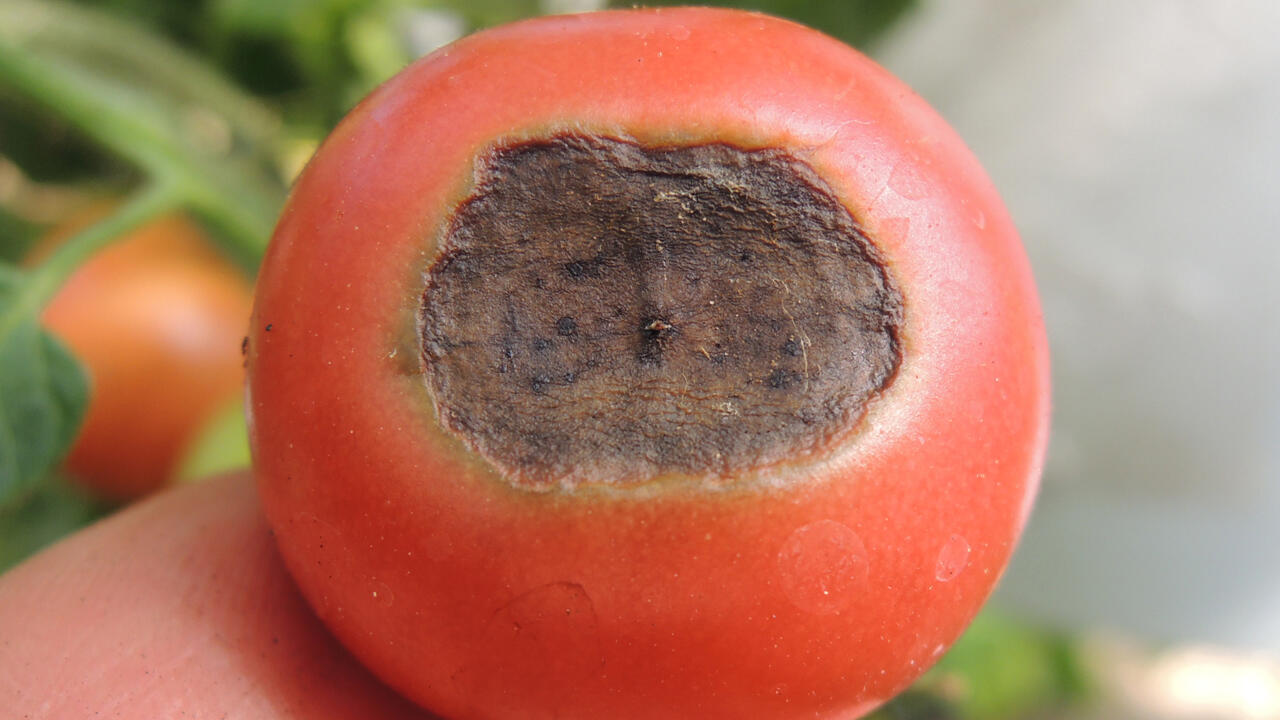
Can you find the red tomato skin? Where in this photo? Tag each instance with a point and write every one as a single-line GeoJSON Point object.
{"type": "Point", "coordinates": [157, 319]}
{"type": "Point", "coordinates": [821, 590]}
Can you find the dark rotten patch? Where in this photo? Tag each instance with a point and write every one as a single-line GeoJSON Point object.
{"type": "Point", "coordinates": [605, 312]}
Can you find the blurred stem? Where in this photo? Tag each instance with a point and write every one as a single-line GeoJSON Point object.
{"type": "Point", "coordinates": [109, 123]}
{"type": "Point", "coordinates": [245, 212]}
{"type": "Point", "coordinates": [91, 35]}
{"type": "Point", "coordinates": [43, 282]}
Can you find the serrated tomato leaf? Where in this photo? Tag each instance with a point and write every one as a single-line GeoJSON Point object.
{"type": "Point", "coordinates": [43, 394]}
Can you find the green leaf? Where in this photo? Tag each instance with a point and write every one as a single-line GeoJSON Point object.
{"type": "Point", "coordinates": [376, 48]}
{"type": "Point", "coordinates": [487, 13]}
{"type": "Point", "coordinates": [915, 705]}
{"type": "Point", "coordinates": [280, 17]}
{"type": "Point", "coordinates": [309, 33]}
{"type": "Point", "coordinates": [1004, 669]}
{"type": "Point", "coordinates": [43, 395]}
{"type": "Point", "coordinates": [43, 390]}
{"type": "Point", "coordinates": [1000, 669]}
{"type": "Point", "coordinates": [16, 236]}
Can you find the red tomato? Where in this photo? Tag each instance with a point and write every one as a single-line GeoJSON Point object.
{"type": "Point", "coordinates": [157, 319]}
{"type": "Point", "coordinates": [521, 462]}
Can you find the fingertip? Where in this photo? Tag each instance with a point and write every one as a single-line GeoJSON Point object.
{"type": "Point", "coordinates": [177, 604]}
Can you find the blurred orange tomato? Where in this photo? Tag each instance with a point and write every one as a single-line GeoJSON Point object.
{"type": "Point", "coordinates": [157, 318]}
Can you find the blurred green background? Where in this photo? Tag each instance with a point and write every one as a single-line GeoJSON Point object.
{"type": "Point", "coordinates": [223, 101]}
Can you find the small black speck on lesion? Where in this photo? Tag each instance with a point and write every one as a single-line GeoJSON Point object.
{"type": "Point", "coordinates": [566, 326]}
{"type": "Point", "coordinates": [781, 379]}
{"type": "Point", "coordinates": [584, 269]}
{"type": "Point", "coordinates": [539, 384]}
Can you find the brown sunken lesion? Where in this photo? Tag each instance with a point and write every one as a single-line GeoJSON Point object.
{"type": "Point", "coordinates": [606, 312]}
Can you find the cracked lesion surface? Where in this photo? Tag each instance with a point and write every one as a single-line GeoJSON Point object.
{"type": "Point", "coordinates": [606, 312]}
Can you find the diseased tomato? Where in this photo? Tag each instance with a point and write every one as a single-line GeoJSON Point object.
{"type": "Point", "coordinates": [646, 364]}
{"type": "Point", "coordinates": [157, 318]}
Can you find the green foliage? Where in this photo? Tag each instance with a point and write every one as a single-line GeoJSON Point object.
{"type": "Point", "coordinates": [916, 704]}
{"type": "Point", "coordinates": [308, 34]}
{"type": "Point", "coordinates": [43, 393]}
{"type": "Point", "coordinates": [43, 390]}
{"type": "Point", "coordinates": [1000, 669]}
{"type": "Point", "coordinates": [487, 13]}
{"type": "Point", "coordinates": [152, 105]}
{"type": "Point", "coordinates": [199, 141]}
{"type": "Point", "coordinates": [16, 236]}
{"type": "Point", "coordinates": [47, 147]}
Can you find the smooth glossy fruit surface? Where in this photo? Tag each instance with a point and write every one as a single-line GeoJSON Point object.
{"type": "Point", "coordinates": [603, 533]}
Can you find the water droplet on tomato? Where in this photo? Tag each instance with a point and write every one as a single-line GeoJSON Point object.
{"type": "Point", "coordinates": [908, 181]}
{"type": "Point", "coordinates": [382, 594]}
{"type": "Point", "coordinates": [823, 567]}
{"type": "Point", "coordinates": [952, 559]}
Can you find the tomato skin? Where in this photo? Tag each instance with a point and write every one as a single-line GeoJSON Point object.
{"type": "Point", "coordinates": [820, 594]}
{"type": "Point", "coordinates": [157, 318]}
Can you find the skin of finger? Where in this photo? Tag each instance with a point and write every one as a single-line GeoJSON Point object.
{"type": "Point", "coordinates": [177, 607]}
